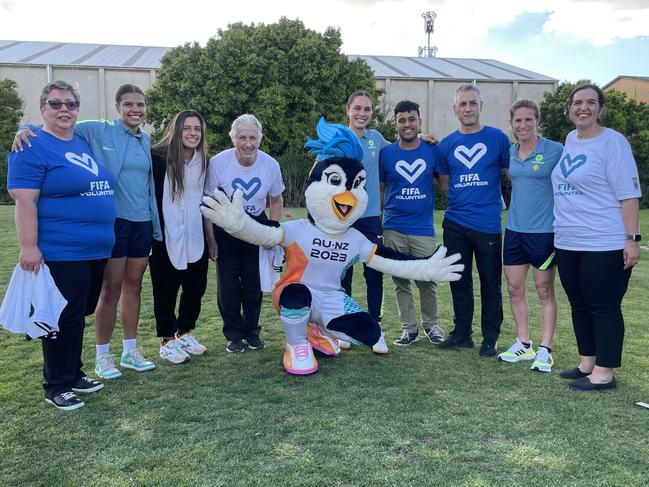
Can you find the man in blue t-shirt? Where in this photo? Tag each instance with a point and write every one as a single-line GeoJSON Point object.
{"type": "Point", "coordinates": [406, 171]}
{"type": "Point", "coordinates": [470, 165]}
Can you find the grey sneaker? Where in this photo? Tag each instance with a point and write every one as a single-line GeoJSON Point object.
{"type": "Point", "coordinates": [435, 334]}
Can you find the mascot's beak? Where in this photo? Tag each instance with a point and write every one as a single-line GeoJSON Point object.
{"type": "Point", "coordinates": [343, 204]}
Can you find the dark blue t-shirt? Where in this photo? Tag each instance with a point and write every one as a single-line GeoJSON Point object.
{"type": "Point", "coordinates": [76, 211]}
{"type": "Point", "coordinates": [474, 163]}
{"type": "Point", "coordinates": [409, 192]}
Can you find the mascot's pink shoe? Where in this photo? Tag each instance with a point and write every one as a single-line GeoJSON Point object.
{"type": "Point", "coordinates": [320, 342]}
{"type": "Point", "coordinates": [299, 359]}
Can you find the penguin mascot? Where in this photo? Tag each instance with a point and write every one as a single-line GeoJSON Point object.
{"type": "Point", "coordinates": [313, 307]}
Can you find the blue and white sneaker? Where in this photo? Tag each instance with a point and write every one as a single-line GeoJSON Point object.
{"type": "Point", "coordinates": [105, 367]}
{"type": "Point", "coordinates": [133, 359]}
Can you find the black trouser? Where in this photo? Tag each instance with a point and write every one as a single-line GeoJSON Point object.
{"type": "Point", "coordinates": [595, 283]}
{"type": "Point", "coordinates": [166, 281]}
{"type": "Point", "coordinates": [238, 286]}
{"type": "Point", "coordinates": [372, 229]}
{"type": "Point", "coordinates": [487, 248]}
{"type": "Point", "coordinates": [80, 283]}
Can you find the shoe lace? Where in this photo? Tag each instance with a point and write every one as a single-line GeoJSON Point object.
{"type": "Point", "coordinates": [137, 355]}
{"type": "Point", "coordinates": [405, 336]}
{"type": "Point", "coordinates": [301, 352]}
{"type": "Point", "coordinates": [435, 330]}
{"type": "Point", "coordinates": [106, 361]}
{"type": "Point", "coordinates": [68, 395]}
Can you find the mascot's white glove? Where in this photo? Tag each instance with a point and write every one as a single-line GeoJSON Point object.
{"type": "Point", "coordinates": [231, 217]}
{"type": "Point", "coordinates": [438, 267]}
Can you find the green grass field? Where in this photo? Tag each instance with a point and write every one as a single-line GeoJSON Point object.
{"type": "Point", "coordinates": [416, 417]}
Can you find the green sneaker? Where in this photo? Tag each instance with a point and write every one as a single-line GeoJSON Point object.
{"type": "Point", "coordinates": [133, 359]}
{"type": "Point", "coordinates": [517, 352]}
{"type": "Point", "coordinates": [105, 368]}
{"type": "Point", "coordinates": [544, 361]}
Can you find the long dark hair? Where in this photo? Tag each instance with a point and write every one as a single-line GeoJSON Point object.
{"type": "Point", "coordinates": [172, 144]}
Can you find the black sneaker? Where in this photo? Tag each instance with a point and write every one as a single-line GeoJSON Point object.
{"type": "Point", "coordinates": [488, 350]}
{"type": "Point", "coordinates": [86, 385]}
{"type": "Point", "coordinates": [255, 343]}
{"type": "Point", "coordinates": [456, 341]}
{"type": "Point", "coordinates": [235, 346]}
{"type": "Point", "coordinates": [407, 338]}
{"type": "Point", "coordinates": [435, 334]}
{"type": "Point", "coordinates": [67, 401]}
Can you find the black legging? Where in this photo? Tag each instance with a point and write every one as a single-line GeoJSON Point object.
{"type": "Point", "coordinates": [595, 283]}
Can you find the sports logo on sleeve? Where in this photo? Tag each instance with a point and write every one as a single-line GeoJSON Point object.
{"type": "Point", "coordinates": [249, 188]}
{"type": "Point", "coordinates": [569, 164]}
{"type": "Point", "coordinates": [470, 157]}
{"type": "Point", "coordinates": [410, 172]}
{"type": "Point", "coordinates": [84, 161]}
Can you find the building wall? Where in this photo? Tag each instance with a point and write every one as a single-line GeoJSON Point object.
{"type": "Point", "coordinates": [635, 89]}
{"type": "Point", "coordinates": [97, 87]}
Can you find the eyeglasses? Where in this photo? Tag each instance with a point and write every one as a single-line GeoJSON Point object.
{"type": "Point", "coordinates": [57, 104]}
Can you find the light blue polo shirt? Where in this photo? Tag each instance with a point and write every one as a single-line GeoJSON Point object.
{"type": "Point", "coordinates": [532, 200]}
{"type": "Point", "coordinates": [372, 142]}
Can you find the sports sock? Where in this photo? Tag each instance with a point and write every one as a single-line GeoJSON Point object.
{"type": "Point", "coordinates": [129, 344]}
{"type": "Point", "coordinates": [101, 349]}
{"type": "Point", "coordinates": [547, 348]}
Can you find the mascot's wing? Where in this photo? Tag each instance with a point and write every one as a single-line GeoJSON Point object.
{"type": "Point", "coordinates": [231, 217]}
{"type": "Point", "coordinates": [437, 267]}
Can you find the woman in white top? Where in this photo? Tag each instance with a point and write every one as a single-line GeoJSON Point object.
{"type": "Point", "coordinates": [180, 260]}
{"type": "Point", "coordinates": [596, 192]}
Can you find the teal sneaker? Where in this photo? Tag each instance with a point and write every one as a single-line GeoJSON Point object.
{"type": "Point", "coordinates": [133, 359]}
{"type": "Point", "coordinates": [517, 352]}
{"type": "Point", "coordinates": [544, 361]}
{"type": "Point", "coordinates": [105, 368]}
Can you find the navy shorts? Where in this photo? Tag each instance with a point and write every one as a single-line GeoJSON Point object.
{"type": "Point", "coordinates": [529, 248]}
{"type": "Point", "coordinates": [132, 239]}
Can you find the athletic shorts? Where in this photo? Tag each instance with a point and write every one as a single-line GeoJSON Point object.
{"type": "Point", "coordinates": [132, 239]}
{"type": "Point", "coordinates": [536, 249]}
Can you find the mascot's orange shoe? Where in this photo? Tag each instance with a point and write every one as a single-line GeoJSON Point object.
{"type": "Point", "coordinates": [320, 342]}
{"type": "Point", "coordinates": [299, 359]}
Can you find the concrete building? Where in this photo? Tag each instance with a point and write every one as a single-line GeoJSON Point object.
{"type": "Point", "coordinates": [98, 70]}
{"type": "Point", "coordinates": [635, 87]}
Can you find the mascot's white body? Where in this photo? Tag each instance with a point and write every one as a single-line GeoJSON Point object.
{"type": "Point", "coordinates": [314, 310]}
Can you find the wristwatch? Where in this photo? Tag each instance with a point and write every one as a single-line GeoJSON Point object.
{"type": "Point", "coordinates": [636, 237]}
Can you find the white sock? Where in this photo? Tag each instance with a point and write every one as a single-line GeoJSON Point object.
{"type": "Point", "coordinates": [129, 344]}
{"type": "Point", "coordinates": [102, 349]}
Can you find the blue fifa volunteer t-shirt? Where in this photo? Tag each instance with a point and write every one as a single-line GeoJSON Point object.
{"type": "Point", "coordinates": [76, 211]}
{"type": "Point", "coordinates": [473, 163]}
{"type": "Point", "coordinates": [409, 192]}
{"type": "Point", "coordinates": [532, 201]}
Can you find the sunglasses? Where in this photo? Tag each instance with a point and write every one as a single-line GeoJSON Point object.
{"type": "Point", "coordinates": [57, 104]}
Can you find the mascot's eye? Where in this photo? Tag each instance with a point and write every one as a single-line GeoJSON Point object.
{"type": "Point", "coordinates": [334, 179]}
{"type": "Point", "coordinates": [358, 182]}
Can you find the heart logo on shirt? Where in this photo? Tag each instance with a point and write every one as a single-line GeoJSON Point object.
{"type": "Point", "coordinates": [84, 161]}
{"type": "Point", "coordinates": [249, 188]}
{"type": "Point", "coordinates": [410, 172]}
{"type": "Point", "coordinates": [470, 157]}
{"type": "Point", "coordinates": [568, 164]}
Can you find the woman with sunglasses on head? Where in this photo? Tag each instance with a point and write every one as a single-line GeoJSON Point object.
{"type": "Point", "coordinates": [596, 234]}
{"type": "Point", "coordinates": [65, 215]}
{"type": "Point", "coordinates": [180, 260]}
{"type": "Point", "coordinates": [122, 147]}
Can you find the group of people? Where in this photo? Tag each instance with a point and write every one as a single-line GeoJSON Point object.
{"type": "Point", "coordinates": [96, 204]}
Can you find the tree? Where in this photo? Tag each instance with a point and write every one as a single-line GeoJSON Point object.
{"type": "Point", "coordinates": [285, 74]}
{"type": "Point", "coordinates": [628, 117]}
{"type": "Point", "coordinates": [11, 112]}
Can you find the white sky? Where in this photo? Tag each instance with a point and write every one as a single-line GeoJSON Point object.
{"type": "Point", "coordinates": [560, 38]}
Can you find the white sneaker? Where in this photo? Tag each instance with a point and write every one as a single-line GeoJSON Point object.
{"type": "Point", "coordinates": [173, 352]}
{"type": "Point", "coordinates": [344, 344]}
{"type": "Point", "coordinates": [190, 345]}
{"type": "Point", "coordinates": [380, 347]}
{"type": "Point", "coordinates": [517, 352]}
{"type": "Point", "coordinates": [543, 361]}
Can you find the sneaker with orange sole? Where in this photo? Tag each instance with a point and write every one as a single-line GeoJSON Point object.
{"type": "Point", "coordinates": [299, 359]}
{"type": "Point", "coordinates": [320, 342]}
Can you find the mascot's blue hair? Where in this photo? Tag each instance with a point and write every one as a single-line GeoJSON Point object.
{"type": "Point", "coordinates": [335, 140]}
